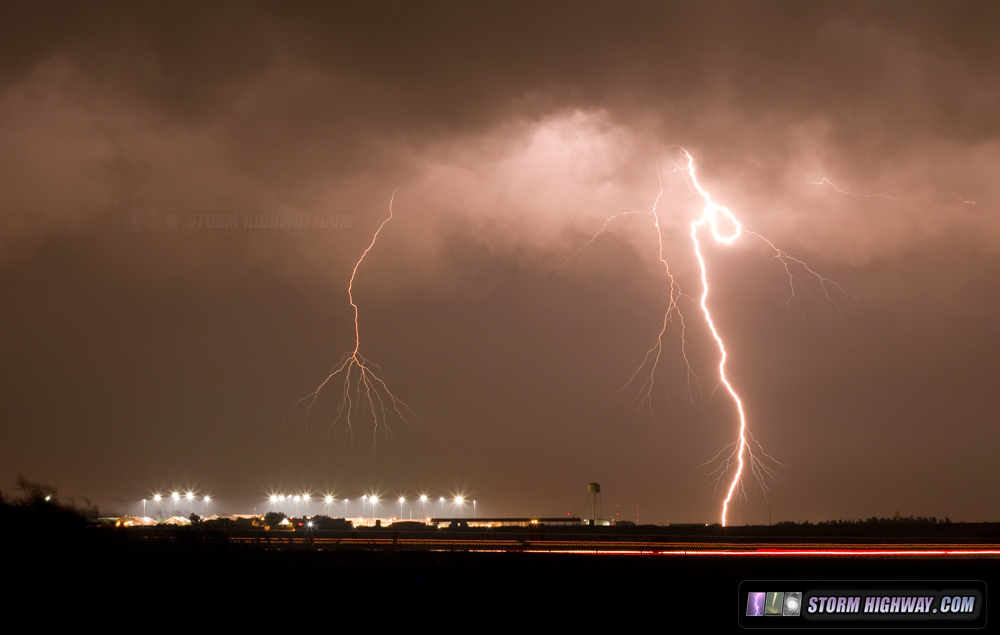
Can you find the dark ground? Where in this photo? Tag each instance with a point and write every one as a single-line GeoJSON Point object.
{"type": "Point", "coordinates": [124, 574]}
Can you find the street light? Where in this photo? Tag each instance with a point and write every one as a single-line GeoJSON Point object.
{"type": "Point", "coordinates": [401, 500]}
{"type": "Point", "coordinates": [423, 505]}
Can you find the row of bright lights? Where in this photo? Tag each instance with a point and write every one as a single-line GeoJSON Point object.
{"type": "Point", "coordinates": [275, 498]}
{"type": "Point", "coordinates": [190, 496]}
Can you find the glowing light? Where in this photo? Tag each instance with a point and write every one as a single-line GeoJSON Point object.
{"type": "Point", "coordinates": [328, 499]}
{"type": "Point", "coordinates": [365, 393]}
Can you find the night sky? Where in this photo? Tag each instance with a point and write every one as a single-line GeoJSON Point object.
{"type": "Point", "coordinates": [142, 353]}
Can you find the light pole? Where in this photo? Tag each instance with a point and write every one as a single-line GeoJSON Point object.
{"type": "Point", "coordinates": [423, 505]}
{"type": "Point", "coordinates": [459, 501]}
{"type": "Point", "coordinates": [474, 508]}
{"type": "Point", "coordinates": [401, 500]}
{"type": "Point", "coordinates": [157, 497]}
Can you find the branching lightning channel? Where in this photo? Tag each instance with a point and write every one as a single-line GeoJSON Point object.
{"type": "Point", "coordinates": [745, 453]}
{"type": "Point", "coordinates": [364, 393]}
{"type": "Point", "coordinates": [671, 316]}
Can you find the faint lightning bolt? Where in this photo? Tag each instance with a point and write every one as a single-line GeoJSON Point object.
{"type": "Point", "coordinates": [364, 390]}
{"type": "Point", "coordinates": [790, 263]}
{"type": "Point", "coordinates": [826, 181]}
{"type": "Point", "coordinates": [672, 315]}
{"type": "Point", "coordinates": [741, 453]}
{"type": "Point", "coordinates": [582, 251]}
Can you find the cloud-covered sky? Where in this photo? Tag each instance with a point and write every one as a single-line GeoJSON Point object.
{"type": "Point", "coordinates": [142, 352]}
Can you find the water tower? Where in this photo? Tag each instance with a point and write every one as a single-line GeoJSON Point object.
{"type": "Point", "coordinates": [594, 493]}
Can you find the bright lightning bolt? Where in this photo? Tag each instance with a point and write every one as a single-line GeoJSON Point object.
{"type": "Point", "coordinates": [710, 216]}
{"type": "Point", "coordinates": [364, 390]}
{"type": "Point", "coordinates": [713, 215]}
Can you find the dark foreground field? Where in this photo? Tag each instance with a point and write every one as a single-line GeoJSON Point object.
{"type": "Point", "coordinates": [118, 574]}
